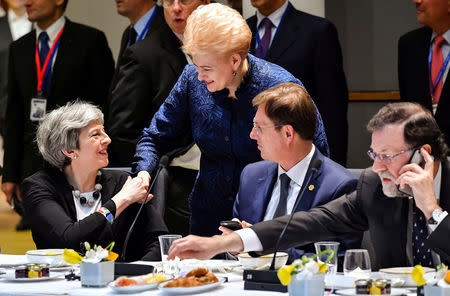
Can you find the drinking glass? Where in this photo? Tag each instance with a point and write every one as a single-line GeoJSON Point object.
{"type": "Point", "coordinates": [357, 263]}
{"type": "Point", "coordinates": [165, 241]}
{"type": "Point", "coordinates": [332, 265]}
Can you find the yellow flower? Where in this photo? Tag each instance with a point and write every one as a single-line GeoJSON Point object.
{"type": "Point", "coordinates": [112, 256]}
{"type": "Point", "coordinates": [322, 267]}
{"type": "Point", "coordinates": [284, 274]}
{"type": "Point", "coordinates": [417, 275]}
{"type": "Point", "coordinates": [71, 257]}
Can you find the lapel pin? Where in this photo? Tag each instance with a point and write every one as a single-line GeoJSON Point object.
{"type": "Point", "coordinates": [311, 187]}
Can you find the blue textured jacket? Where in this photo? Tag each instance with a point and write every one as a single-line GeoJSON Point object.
{"type": "Point", "coordinates": [220, 126]}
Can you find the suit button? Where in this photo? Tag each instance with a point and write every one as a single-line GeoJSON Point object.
{"type": "Point", "coordinates": [227, 139]}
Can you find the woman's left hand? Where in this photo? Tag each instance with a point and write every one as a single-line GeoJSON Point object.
{"type": "Point", "coordinates": [145, 176]}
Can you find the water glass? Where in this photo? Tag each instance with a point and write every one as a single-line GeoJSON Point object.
{"type": "Point", "coordinates": [165, 241]}
{"type": "Point", "coordinates": [332, 265]}
{"type": "Point", "coordinates": [357, 263]}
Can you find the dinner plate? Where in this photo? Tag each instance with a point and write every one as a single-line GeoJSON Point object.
{"type": "Point", "coordinates": [191, 290]}
{"type": "Point", "coordinates": [401, 276]}
{"type": "Point", "coordinates": [10, 275]}
{"type": "Point", "coordinates": [351, 292]}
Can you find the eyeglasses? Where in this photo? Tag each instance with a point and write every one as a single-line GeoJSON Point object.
{"type": "Point", "coordinates": [258, 129]}
{"type": "Point", "coordinates": [384, 158]}
{"type": "Point", "coordinates": [169, 3]}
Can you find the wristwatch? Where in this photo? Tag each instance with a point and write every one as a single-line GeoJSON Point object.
{"type": "Point", "coordinates": [437, 216]}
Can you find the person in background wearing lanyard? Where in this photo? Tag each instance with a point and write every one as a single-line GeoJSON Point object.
{"type": "Point", "coordinates": [308, 47]}
{"type": "Point", "coordinates": [145, 16]}
{"type": "Point", "coordinates": [57, 62]}
{"type": "Point", "coordinates": [148, 71]}
{"type": "Point", "coordinates": [13, 25]}
{"type": "Point", "coordinates": [423, 58]}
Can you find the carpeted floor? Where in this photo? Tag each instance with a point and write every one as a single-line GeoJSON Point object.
{"type": "Point", "coordinates": [12, 241]}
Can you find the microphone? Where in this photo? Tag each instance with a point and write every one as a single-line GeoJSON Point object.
{"type": "Point", "coordinates": [317, 163]}
{"type": "Point", "coordinates": [163, 162]}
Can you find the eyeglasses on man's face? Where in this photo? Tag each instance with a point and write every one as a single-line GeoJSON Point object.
{"type": "Point", "coordinates": [258, 129]}
{"type": "Point", "coordinates": [169, 3]}
{"type": "Point", "coordinates": [384, 158]}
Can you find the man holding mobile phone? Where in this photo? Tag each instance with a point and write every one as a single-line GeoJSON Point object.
{"type": "Point", "coordinates": [404, 231]}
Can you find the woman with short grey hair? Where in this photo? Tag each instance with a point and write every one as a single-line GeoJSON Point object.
{"type": "Point", "coordinates": [75, 200]}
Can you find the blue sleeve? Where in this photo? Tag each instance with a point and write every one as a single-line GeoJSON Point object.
{"type": "Point", "coordinates": [167, 127]}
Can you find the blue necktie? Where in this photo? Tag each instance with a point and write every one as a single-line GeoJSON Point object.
{"type": "Point", "coordinates": [284, 189]}
{"type": "Point", "coordinates": [421, 254]}
{"type": "Point", "coordinates": [44, 49]}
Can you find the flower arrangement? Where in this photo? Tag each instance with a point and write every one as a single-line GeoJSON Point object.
{"type": "Point", "coordinates": [95, 254]}
{"type": "Point", "coordinates": [441, 278]}
{"type": "Point", "coordinates": [305, 265]}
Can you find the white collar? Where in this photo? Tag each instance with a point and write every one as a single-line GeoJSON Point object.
{"type": "Point", "coordinates": [53, 30]}
{"type": "Point", "coordinates": [274, 17]}
{"type": "Point", "coordinates": [298, 172]}
{"type": "Point", "coordinates": [446, 36]}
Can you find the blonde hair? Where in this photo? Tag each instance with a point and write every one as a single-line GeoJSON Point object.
{"type": "Point", "coordinates": [217, 29]}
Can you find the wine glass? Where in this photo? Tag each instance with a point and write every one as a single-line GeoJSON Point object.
{"type": "Point", "coordinates": [357, 264]}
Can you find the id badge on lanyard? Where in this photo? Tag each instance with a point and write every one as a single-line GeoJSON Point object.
{"type": "Point", "coordinates": [38, 106]}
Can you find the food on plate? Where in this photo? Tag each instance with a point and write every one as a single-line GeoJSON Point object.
{"type": "Point", "coordinates": [373, 287]}
{"type": "Point", "coordinates": [32, 271]}
{"type": "Point", "coordinates": [196, 277]}
{"type": "Point", "coordinates": [150, 278]}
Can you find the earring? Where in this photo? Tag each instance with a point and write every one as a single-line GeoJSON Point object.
{"type": "Point", "coordinates": [234, 73]}
{"type": "Point", "coordinates": [75, 157]}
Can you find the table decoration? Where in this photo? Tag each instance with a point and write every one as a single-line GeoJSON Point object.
{"type": "Point", "coordinates": [438, 285]}
{"type": "Point", "coordinates": [305, 276]}
{"type": "Point", "coordinates": [97, 265]}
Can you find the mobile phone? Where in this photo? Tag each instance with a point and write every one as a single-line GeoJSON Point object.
{"type": "Point", "coordinates": [233, 225]}
{"type": "Point", "coordinates": [417, 158]}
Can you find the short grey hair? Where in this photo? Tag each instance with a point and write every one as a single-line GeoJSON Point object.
{"type": "Point", "coordinates": [60, 130]}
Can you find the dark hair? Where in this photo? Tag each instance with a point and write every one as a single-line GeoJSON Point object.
{"type": "Point", "coordinates": [64, 6]}
{"type": "Point", "coordinates": [420, 127]}
{"type": "Point", "coordinates": [289, 103]}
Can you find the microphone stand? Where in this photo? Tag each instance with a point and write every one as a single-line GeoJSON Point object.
{"type": "Point", "coordinates": [162, 163]}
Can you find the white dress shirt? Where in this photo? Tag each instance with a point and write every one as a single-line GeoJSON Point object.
{"type": "Point", "coordinates": [445, 52]}
{"type": "Point", "coordinates": [18, 25]}
{"type": "Point", "coordinates": [274, 17]}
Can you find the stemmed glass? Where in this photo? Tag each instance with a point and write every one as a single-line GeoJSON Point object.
{"type": "Point", "coordinates": [357, 263]}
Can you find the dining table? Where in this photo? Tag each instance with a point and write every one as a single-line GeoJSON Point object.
{"type": "Point", "coordinates": [233, 285]}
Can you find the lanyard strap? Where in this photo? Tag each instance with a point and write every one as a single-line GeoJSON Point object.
{"type": "Point", "coordinates": [43, 71]}
{"type": "Point", "coordinates": [258, 39]}
{"type": "Point", "coordinates": [147, 25]}
{"type": "Point", "coordinates": [441, 72]}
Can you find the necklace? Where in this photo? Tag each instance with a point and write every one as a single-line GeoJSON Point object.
{"type": "Point", "coordinates": [89, 201]}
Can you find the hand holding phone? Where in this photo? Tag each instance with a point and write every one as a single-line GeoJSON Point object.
{"type": "Point", "coordinates": [416, 158]}
{"type": "Point", "coordinates": [233, 225]}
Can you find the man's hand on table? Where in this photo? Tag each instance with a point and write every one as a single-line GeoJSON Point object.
{"type": "Point", "coordinates": [203, 248]}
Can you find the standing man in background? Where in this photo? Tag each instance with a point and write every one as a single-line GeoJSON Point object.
{"type": "Point", "coordinates": [308, 47]}
{"type": "Point", "coordinates": [423, 61]}
{"type": "Point", "coordinates": [144, 16]}
{"type": "Point", "coordinates": [13, 25]}
{"type": "Point", "coordinates": [57, 62]}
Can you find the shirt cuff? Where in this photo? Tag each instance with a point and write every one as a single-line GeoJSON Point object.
{"type": "Point", "coordinates": [432, 227]}
{"type": "Point", "coordinates": [250, 240]}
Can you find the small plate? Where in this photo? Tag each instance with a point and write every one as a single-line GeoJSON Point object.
{"type": "Point", "coordinates": [53, 257]}
{"type": "Point", "coordinates": [352, 292]}
{"type": "Point", "coordinates": [11, 277]}
{"type": "Point", "coordinates": [221, 266]}
{"type": "Point", "coordinates": [191, 290]}
{"type": "Point", "coordinates": [135, 288]}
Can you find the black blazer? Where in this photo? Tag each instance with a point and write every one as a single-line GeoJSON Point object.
{"type": "Point", "coordinates": [365, 209]}
{"type": "Point", "coordinates": [148, 71]}
{"type": "Point", "coordinates": [5, 40]}
{"type": "Point", "coordinates": [156, 23]}
{"type": "Point", "coordinates": [308, 47]}
{"type": "Point", "coordinates": [413, 75]}
{"type": "Point", "coordinates": [83, 69]}
{"type": "Point", "coordinates": [49, 204]}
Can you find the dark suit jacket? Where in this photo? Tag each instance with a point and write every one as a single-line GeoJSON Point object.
{"type": "Point", "coordinates": [413, 75]}
{"type": "Point", "coordinates": [156, 23]}
{"type": "Point", "coordinates": [83, 69]}
{"type": "Point", "coordinates": [49, 204]}
{"type": "Point", "coordinates": [5, 40]}
{"type": "Point", "coordinates": [258, 179]}
{"type": "Point", "coordinates": [148, 71]}
{"type": "Point", "coordinates": [308, 47]}
{"type": "Point", "coordinates": [367, 208]}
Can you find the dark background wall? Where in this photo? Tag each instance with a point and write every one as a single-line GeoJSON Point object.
{"type": "Point", "coordinates": [369, 31]}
